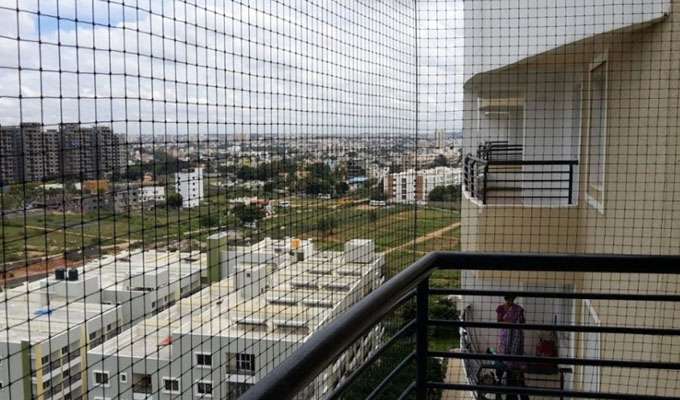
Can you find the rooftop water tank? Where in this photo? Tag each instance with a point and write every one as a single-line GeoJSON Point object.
{"type": "Point", "coordinates": [72, 274]}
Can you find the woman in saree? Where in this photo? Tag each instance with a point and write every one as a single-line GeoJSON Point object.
{"type": "Point", "coordinates": [511, 341]}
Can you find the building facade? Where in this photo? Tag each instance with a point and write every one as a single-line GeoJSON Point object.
{"type": "Point", "coordinates": [189, 184]}
{"type": "Point", "coordinates": [414, 186]}
{"type": "Point", "coordinates": [549, 119]}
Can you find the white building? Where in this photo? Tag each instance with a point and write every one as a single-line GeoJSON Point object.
{"type": "Point", "coordinates": [152, 194]}
{"type": "Point", "coordinates": [145, 282]}
{"type": "Point", "coordinates": [225, 338]}
{"type": "Point", "coordinates": [414, 186]}
{"type": "Point", "coordinates": [43, 347]}
{"type": "Point", "coordinates": [189, 184]}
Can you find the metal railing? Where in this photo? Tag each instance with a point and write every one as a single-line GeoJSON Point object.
{"type": "Point", "coordinates": [499, 150]}
{"type": "Point", "coordinates": [504, 181]}
{"type": "Point", "coordinates": [293, 375]}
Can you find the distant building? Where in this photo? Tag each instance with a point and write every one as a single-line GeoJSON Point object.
{"type": "Point", "coordinates": [29, 153]}
{"type": "Point", "coordinates": [440, 138]}
{"type": "Point", "coordinates": [414, 186]}
{"type": "Point", "coordinates": [189, 184]}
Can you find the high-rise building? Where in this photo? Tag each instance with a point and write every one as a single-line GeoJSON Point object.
{"type": "Point", "coordinates": [189, 184]}
{"type": "Point", "coordinates": [440, 139]}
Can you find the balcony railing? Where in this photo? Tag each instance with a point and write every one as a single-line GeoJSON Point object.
{"type": "Point", "coordinates": [511, 181]}
{"type": "Point", "coordinates": [292, 377]}
{"type": "Point", "coordinates": [499, 151]}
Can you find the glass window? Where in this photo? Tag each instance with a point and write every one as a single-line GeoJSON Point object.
{"type": "Point", "coordinates": [597, 134]}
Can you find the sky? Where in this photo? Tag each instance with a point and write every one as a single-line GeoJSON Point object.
{"type": "Point", "coordinates": [172, 67]}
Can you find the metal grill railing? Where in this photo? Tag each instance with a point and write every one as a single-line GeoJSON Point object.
{"type": "Point", "coordinates": [291, 376]}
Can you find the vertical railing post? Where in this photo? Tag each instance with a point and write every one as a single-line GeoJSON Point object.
{"type": "Point", "coordinates": [571, 181]}
{"type": "Point", "coordinates": [486, 179]}
{"type": "Point", "coordinates": [421, 338]}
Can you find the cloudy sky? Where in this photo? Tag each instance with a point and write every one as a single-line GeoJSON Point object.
{"type": "Point", "coordinates": [216, 66]}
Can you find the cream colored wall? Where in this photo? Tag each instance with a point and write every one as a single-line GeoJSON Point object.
{"type": "Point", "coordinates": [641, 210]}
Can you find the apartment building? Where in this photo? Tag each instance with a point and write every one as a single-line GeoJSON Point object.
{"type": "Point", "coordinates": [413, 186]}
{"type": "Point", "coordinates": [43, 346]}
{"type": "Point", "coordinates": [189, 184]}
{"type": "Point", "coordinates": [222, 340]}
{"type": "Point", "coordinates": [30, 153]}
{"type": "Point", "coordinates": [91, 152]}
{"type": "Point", "coordinates": [569, 149]}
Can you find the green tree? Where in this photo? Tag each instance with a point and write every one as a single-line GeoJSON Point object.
{"type": "Point", "coordinates": [247, 213]}
{"type": "Point", "coordinates": [445, 193]}
{"type": "Point", "coordinates": [326, 225]}
{"type": "Point", "coordinates": [341, 188]}
{"type": "Point", "coordinates": [395, 169]}
{"type": "Point", "coordinates": [440, 161]}
{"type": "Point", "coordinates": [174, 200]}
{"type": "Point", "coordinates": [208, 220]}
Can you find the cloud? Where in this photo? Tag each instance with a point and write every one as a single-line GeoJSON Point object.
{"type": "Point", "coordinates": [269, 67]}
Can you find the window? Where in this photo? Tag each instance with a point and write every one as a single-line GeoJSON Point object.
{"type": "Point", "coordinates": [123, 377]}
{"type": "Point", "coordinates": [204, 359]}
{"type": "Point", "coordinates": [204, 388]}
{"type": "Point", "coordinates": [93, 335]}
{"type": "Point", "coordinates": [171, 385]}
{"type": "Point", "coordinates": [45, 360]}
{"type": "Point", "coordinates": [241, 363]}
{"type": "Point", "coordinates": [101, 378]}
{"type": "Point", "coordinates": [597, 130]}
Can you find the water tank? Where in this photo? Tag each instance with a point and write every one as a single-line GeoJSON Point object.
{"type": "Point", "coordinates": [60, 274]}
{"type": "Point", "coordinates": [72, 274]}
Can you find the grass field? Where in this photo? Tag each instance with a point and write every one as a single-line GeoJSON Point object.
{"type": "Point", "coordinates": [393, 228]}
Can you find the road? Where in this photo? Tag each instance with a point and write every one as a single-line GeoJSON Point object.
{"type": "Point", "coordinates": [423, 238]}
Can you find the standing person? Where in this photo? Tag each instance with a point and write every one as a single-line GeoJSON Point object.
{"type": "Point", "coordinates": [511, 341]}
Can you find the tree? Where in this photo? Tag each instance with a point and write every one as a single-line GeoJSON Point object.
{"type": "Point", "coordinates": [247, 213]}
{"type": "Point", "coordinates": [445, 193]}
{"type": "Point", "coordinates": [325, 225]}
{"type": "Point", "coordinates": [373, 217]}
{"type": "Point", "coordinates": [440, 161]}
{"type": "Point", "coordinates": [316, 186]}
{"type": "Point", "coordinates": [395, 169]}
{"type": "Point", "coordinates": [174, 200]}
{"type": "Point", "coordinates": [341, 188]}
{"type": "Point", "coordinates": [208, 220]}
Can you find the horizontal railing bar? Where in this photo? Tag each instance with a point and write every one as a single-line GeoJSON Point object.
{"type": "Point", "coordinates": [560, 328]}
{"type": "Point", "coordinates": [391, 375]}
{"type": "Point", "coordinates": [290, 376]}
{"type": "Point", "coordinates": [544, 392]}
{"type": "Point", "coordinates": [559, 295]}
{"type": "Point", "coordinates": [502, 171]}
{"type": "Point", "coordinates": [558, 263]}
{"type": "Point", "coordinates": [557, 360]}
{"type": "Point", "coordinates": [408, 391]}
{"type": "Point", "coordinates": [533, 162]}
{"type": "Point", "coordinates": [527, 197]}
{"type": "Point", "coordinates": [490, 188]}
{"type": "Point", "coordinates": [531, 180]}
{"type": "Point", "coordinates": [344, 385]}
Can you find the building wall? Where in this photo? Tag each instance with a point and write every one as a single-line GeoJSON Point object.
{"type": "Point", "coordinates": [640, 210]}
{"type": "Point", "coordinates": [504, 33]}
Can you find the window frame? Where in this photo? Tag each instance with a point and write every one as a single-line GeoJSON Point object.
{"type": "Point", "coordinates": [203, 382]}
{"type": "Point", "coordinates": [173, 379]}
{"type": "Point", "coordinates": [108, 378]}
{"type": "Point", "coordinates": [201, 353]}
{"type": "Point", "coordinates": [601, 61]}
